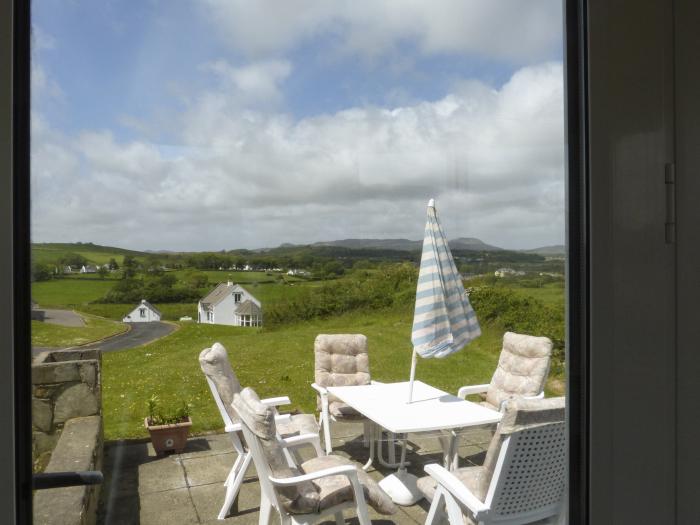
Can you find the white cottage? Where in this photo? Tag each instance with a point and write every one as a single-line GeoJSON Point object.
{"type": "Point", "coordinates": [230, 304]}
{"type": "Point", "coordinates": [145, 312]}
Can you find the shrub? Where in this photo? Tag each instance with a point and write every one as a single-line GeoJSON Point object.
{"type": "Point", "coordinates": [393, 284]}
{"type": "Point", "coordinates": [520, 314]}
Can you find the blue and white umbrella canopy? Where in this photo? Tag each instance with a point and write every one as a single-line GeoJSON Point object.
{"type": "Point", "coordinates": [444, 321]}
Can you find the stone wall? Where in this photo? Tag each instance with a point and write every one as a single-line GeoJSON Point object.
{"type": "Point", "coordinates": [67, 423]}
{"type": "Point", "coordinates": [80, 448]}
{"type": "Point", "coordinates": [65, 384]}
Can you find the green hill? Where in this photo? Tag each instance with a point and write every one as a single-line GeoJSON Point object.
{"type": "Point", "coordinates": [50, 253]}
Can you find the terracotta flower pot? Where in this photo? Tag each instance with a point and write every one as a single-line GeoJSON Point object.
{"type": "Point", "coordinates": [169, 437]}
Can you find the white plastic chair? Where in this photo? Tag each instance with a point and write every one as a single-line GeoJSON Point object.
{"type": "Point", "coordinates": [523, 478]}
{"type": "Point", "coordinates": [264, 443]}
{"type": "Point", "coordinates": [522, 371]}
{"type": "Point", "coordinates": [340, 360]}
{"type": "Point", "coordinates": [233, 428]}
{"type": "Point", "coordinates": [237, 474]}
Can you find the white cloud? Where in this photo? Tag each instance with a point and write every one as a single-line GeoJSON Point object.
{"type": "Point", "coordinates": [257, 84]}
{"type": "Point", "coordinates": [493, 159]}
{"type": "Point", "coordinates": [511, 30]}
{"type": "Point", "coordinates": [41, 40]}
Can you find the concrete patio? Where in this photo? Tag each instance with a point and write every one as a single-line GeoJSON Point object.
{"type": "Point", "coordinates": [187, 488]}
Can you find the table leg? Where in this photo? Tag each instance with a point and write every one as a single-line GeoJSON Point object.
{"type": "Point", "coordinates": [391, 463]}
{"type": "Point", "coordinates": [370, 428]}
{"type": "Point", "coordinates": [450, 445]}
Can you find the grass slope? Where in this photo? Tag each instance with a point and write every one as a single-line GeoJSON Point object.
{"type": "Point", "coordinates": [56, 336]}
{"type": "Point", "coordinates": [549, 295]}
{"type": "Point", "coordinates": [69, 292]}
{"type": "Point", "coordinates": [45, 253]}
{"type": "Point", "coordinates": [79, 293]}
{"type": "Point", "coordinates": [274, 362]}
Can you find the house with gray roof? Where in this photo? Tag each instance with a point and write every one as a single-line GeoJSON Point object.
{"type": "Point", "coordinates": [230, 304]}
{"type": "Point", "coordinates": [144, 312]}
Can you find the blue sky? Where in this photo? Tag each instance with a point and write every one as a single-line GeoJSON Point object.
{"type": "Point", "coordinates": [182, 106]}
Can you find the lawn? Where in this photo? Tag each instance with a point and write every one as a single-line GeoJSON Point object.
{"type": "Point", "coordinates": [56, 336]}
{"type": "Point", "coordinates": [69, 292]}
{"type": "Point", "coordinates": [51, 293]}
{"type": "Point", "coordinates": [552, 294]}
{"type": "Point", "coordinates": [80, 291]}
{"type": "Point", "coordinates": [49, 254]}
{"type": "Point", "coordinates": [274, 362]}
{"type": "Point", "coordinates": [220, 276]}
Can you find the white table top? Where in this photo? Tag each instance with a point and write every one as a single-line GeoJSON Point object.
{"type": "Point", "coordinates": [431, 409]}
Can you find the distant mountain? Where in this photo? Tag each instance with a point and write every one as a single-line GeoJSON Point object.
{"type": "Point", "coordinates": [556, 249]}
{"type": "Point", "coordinates": [471, 243]}
{"type": "Point", "coordinates": [463, 243]}
{"type": "Point", "coordinates": [380, 244]}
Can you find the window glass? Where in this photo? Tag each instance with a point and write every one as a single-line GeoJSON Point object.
{"type": "Point", "coordinates": [314, 154]}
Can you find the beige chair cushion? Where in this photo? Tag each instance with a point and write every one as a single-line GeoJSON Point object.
{"type": "Point", "coordinates": [473, 477]}
{"type": "Point", "coordinates": [302, 498]}
{"type": "Point", "coordinates": [216, 366]}
{"type": "Point", "coordinates": [341, 360]}
{"type": "Point", "coordinates": [518, 415]}
{"type": "Point", "coordinates": [337, 489]}
{"type": "Point", "coordinates": [297, 424]}
{"type": "Point", "coordinates": [340, 410]}
{"type": "Point", "coordinates": [522, 368]}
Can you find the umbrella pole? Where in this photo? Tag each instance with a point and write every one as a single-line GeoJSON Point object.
{"type": "Point", "coordinates": [413, 376]}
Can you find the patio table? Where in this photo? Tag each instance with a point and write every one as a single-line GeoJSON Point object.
{"type": "Point", "coordinates": [387, 406]}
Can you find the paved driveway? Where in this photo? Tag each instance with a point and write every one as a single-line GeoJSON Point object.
{"type": "Point", "coordinates": [59, 317]}
{"type": "Point", "coordinates": [140, 334]}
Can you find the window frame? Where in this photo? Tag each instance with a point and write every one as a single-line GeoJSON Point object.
{"type": "Point", "coordinates": [15, 442]}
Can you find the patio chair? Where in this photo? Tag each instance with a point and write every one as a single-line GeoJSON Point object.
{"type": "Point", "coordinates": [224, 384]}
{"type": "Point", "coordinates": [522, 371]}
{"type": "Point", "coordinates": [340, 360]}
{"type": "Point", "coordinates": [306, 492]}
{"type": "Point", "coordinates": [523, 478]}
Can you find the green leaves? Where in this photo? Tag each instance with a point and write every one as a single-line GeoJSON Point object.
{"type": "Point", "coordinates": [157, 416]}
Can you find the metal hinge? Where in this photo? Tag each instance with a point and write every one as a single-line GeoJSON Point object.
{"type": "Point", "coordinates": [670, 180]}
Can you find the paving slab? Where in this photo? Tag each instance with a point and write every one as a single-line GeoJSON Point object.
{"type": "Point", "coordinates": [144, 489]}
{"type": "Point", "coordinates": [120, 510]}
{"type": "Point", "coordinates": [160, 476]}
{"type": "Point", "coordinates": [171, 507]}
{"type": "Point", "coordinates": [208, 469]}
{"type": "Point", "coordinates": [207, 446]}
{"type": "Point", "coordinates": [209, 498]}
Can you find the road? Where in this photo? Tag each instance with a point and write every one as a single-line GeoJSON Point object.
{"type": "Point", "coordinates": [59, 317]}
{"type": "Point", "coordinates": [140, 334]}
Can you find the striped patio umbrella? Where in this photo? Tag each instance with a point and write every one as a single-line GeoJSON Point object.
{"type": "Point", "coordinates": [444, 321]}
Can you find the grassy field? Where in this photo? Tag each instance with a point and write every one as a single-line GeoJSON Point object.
{"type": "Point", "coordinates": [49, 253]}
{"type": "Point", "coordinates": [56, 336]}
{"type": "Point", "coordinates": [69, 292]}
{"type": "Point", "coordinates": [551, 294]}
{"type": "Point", "coordinates": [79, 293]}
{"type": "Point", "coordinates": [220, 276]}
{"type": "Point", "coordinates": [274, 362]}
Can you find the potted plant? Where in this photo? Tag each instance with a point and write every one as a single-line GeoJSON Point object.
{"type": "Point", "coordinates": [168, 430]}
